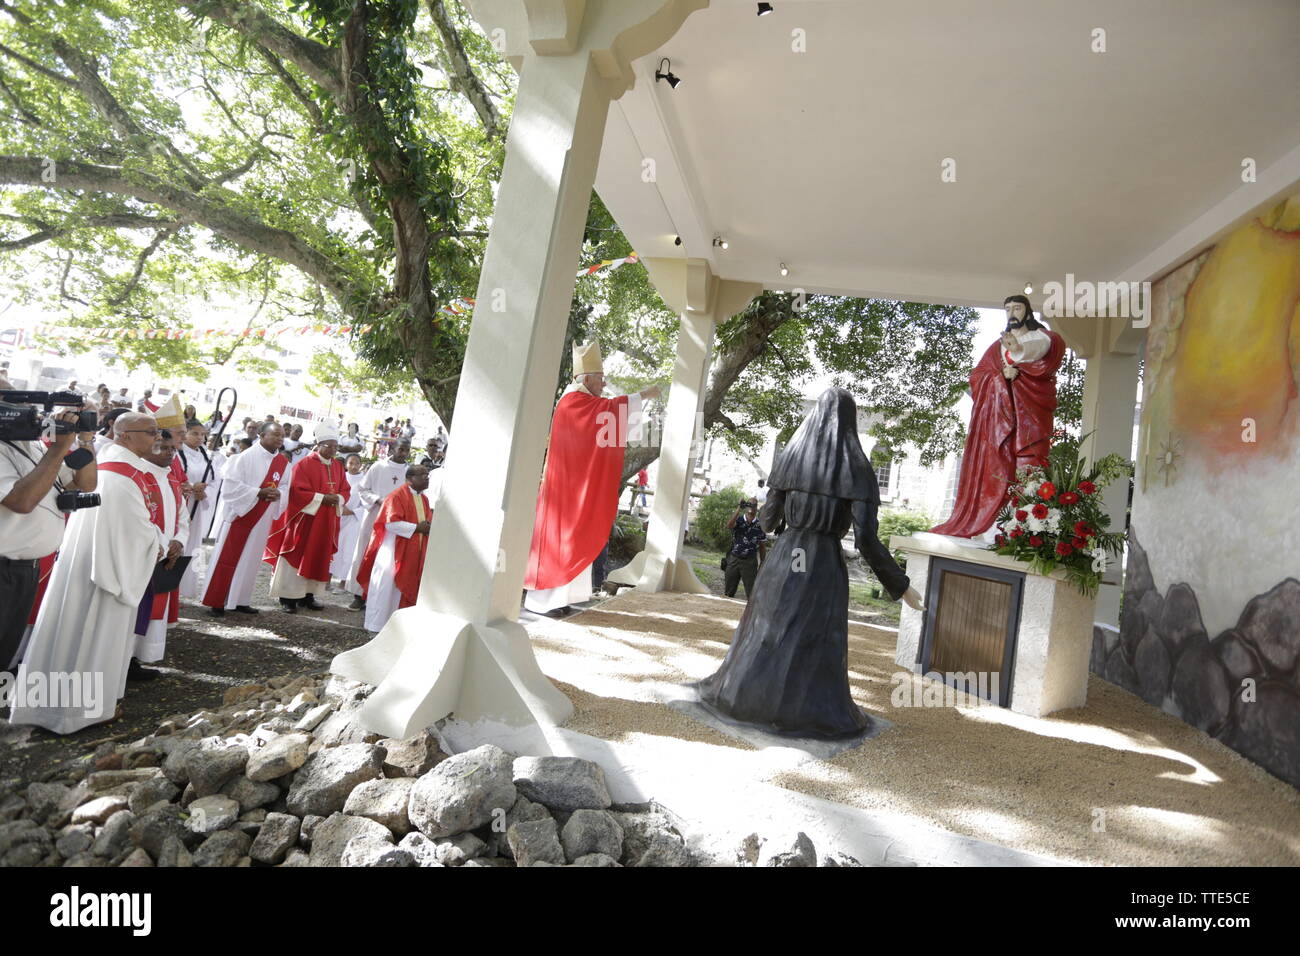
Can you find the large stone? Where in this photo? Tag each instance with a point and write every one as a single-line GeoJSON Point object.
{"type": "Point", "coordinates": [535, 841]}
{"type": "Point", "coordinates": [210, 768]}
{"type": "Point", "coordinates": [311, 720]}
{"type": "Point", "coordinates": [423, 850]}
{"type": "Point", "coordinates": [119, 781]}
{"type": "Point", "coordinates": [1180, 620]}
{"type": "Point", "coordinates": [411, 757]}
{"type": "Point", "coordinates": [51, 804]}
{"type": "Point", "coordinates": [595, 859]}
{"type": "Point", "coordinates": [1120, 672]}
{"type": "Point", "coordinates": [384, 801]}
{"type": "Point", "coordinates": [664, 850]}
{"type": "Point", "coordinates": [331, 837]}
{"type": "Point", "coordinates": [174, 767]}
{"type": "Point", "coordinates": [1271, 622]}
{"type": "Point", "coordinates": [24, 843]}
{"type": "Point", "coordinates": [174, 854]}
{"type": "Point", "coordinates": [213, 813]}
{"type": "Point", "coordinates": [75, 840]}
{"type": "Point", "coordinates": [591, 831]}
{"type": "Point", "coordinates": [372, 851]}
{"type": "Point", "coordinates": [99, 809]}
{"type": "Point", "coordinates": [277, 836]}
{"type": "Point", "coordinates": [640, 829]}
{"type": "Point", "coordinates": [116, 835]}
{"type": "Point", "coordinates": [323, 783]}
{"type": "Point", "coordinates": [562, 783]}
{"type": "Point", "coordinates": [1239, 658]}
{"type": "Point", "coordinates": [282, 755]}
{"type": "Point", "coordinates": [462, 792]}
{"type": "Point", "coordinates": [1154, 671]}
{"type": "Point", "coordinates": [249, 794]}
{"type": "Point", "coordinates": [1268, 730]}
{"type": "Point", "coordinates": [344, 727]}
{"type": "Point", "coordinates": [155, 826]}
{"type": "Point", "coordinates": [458, 850]}
{"type": "Point", "coordinates": [1200, 691]}
{"type": "Point", "coordinates": [151, 792]}
{"type": "Point", "coordinates": [137, 858]}
{"type": "Point", "coordinates": [223, 848]}
{"type": "Point", "coordinates": [801, 853]}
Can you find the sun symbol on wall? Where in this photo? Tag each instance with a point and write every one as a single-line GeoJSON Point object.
{"type": "Point", "coordinates": [1167, 461]}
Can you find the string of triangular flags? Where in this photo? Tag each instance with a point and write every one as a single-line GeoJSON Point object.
{"type": "Point", "coordinates": [458, 306]}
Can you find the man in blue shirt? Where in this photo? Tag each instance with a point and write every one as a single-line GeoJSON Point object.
{"type": "Point", "coordinates": [748, 546]}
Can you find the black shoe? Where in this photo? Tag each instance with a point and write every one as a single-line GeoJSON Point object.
{"type": "Point", "coordinates": [138, 672]}
{"type": "Point", "coordinates": [290, 605]}
{"type": "Point", "coordinates": [245, 609]}
{"type": "Point", "coordinates": [217, 611]}
{"type": "Point", "coordinates": [311, 604]}
{"type": "Point", "coordinates": [358, 604]}
{"type": "Point", "coordinates": [562, 612]}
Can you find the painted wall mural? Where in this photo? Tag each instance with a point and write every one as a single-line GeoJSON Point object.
{"type": "Point", "coordinates": [1211, 624]}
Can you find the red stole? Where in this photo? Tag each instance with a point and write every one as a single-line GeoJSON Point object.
{"type": "Point", "coordinates": [408, 553]}
{"type": "Point", "coordinates": [308, 542]}
{"type": "Point", "coordinates": [1010, 428]}
{"type": "Point", "coordinates": [579, 495]}
{"type": "Point", "coordinates": [167, 604]}
{"type": "Point", "coordinates": [223, 572]}
{"type": "Point", "coordinates": [147, 484]}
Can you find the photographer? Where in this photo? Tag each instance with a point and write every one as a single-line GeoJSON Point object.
{"type": "Point", "coordinates": [31, 524]}
{"type": "Point", "coordinates": [749, 546]}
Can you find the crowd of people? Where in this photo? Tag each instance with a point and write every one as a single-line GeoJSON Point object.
{"type": "Point", "coordinates": [90, 586]}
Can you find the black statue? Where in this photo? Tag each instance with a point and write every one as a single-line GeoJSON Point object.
{"type": "Point", "coordinates": [787, 668]}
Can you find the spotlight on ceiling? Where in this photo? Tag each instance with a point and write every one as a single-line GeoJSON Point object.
{"type": "Point", "coordinates": [677, 241]}
{"type": "Point", "coordinates": [720, 242]}
{"type": "Point", "coordinates": [660, 74]}
{"type": "Point", "coordinates": [764, 9]}
{"type": "Point", "coordinates": [785, 269]}
{"type": "Point", "coordinates": [1029, 288]}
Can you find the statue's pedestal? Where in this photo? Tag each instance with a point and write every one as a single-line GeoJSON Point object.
{"type": "Point", "coordinates": [1048, 623]}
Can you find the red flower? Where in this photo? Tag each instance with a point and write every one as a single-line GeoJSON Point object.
{"type": "Point", "coordinates": [1082, 529]}
{"type": "Point", "coordinates": [1000, 540]}
{"type": "Point", "coordinates": [1068, 498]}
{"type": "Point", "coordinates": [1087, 487]}
{"type": "Point", "coordinates": [1017, 532]}
{"type": "Point", "coordinates": [1078, 542]}
{"type": "Point", "coordinates": [1040, 511]}
{"type": "Point", "coordinates": [1046, 490]}
{"type": "Point", "coordinates": [1035, 541]}
{"type": "Point", "coordinates": [1064, 548]}
{"type": "Point", "coordinates": [1022, 515]}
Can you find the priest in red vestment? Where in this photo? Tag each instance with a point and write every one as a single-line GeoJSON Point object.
{"type": "Point", "coordinates": [579, 495]}
{"type": "Point", "coordinates": [306, 535]}
{"type": "Point", "coordinates": [390, 571]}
{"type": "Point", "coordinates": [1013, 389]}
{"type": "Point", "coordinates": [158, 611]}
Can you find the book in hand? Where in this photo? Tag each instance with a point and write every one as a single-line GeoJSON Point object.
{"type": "Point", "coordinates": [168, 579]}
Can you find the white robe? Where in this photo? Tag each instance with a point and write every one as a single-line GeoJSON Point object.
{"type": "Point", "coordinates": [580, 588]}
{"type": "Point", "coordinates": [86, 619]}
{"type": "Point", "coordinates": [196, 468]}
{"type": "Point", "coordinates": [151, 646]}
{"type": "Point", "coordinates": [384, 595]}
{"type": "Point", "coordinates": [379, 482]}
{"type": "Point", "coordinates": [349, 528]}
{"type": "Point", "coordinates": [239, 486]}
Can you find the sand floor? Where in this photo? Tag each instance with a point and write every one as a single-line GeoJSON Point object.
{"type": "Point", "coordinates": [1116, 782]}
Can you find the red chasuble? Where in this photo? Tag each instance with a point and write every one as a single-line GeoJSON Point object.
{"type": "Point", "coordinates": [408, 553]}
{"type": "Point", "coordinates": [579, 497]}
{"type": "Point", "coordinates": [308, 542]}
{"type": "Point", "coordinates": [1010, 428]}
{"type": "Point", "coordinates": [223, 572]}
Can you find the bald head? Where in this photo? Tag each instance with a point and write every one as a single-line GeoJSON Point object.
{"type": "Point", "coordinates": [135, 432]}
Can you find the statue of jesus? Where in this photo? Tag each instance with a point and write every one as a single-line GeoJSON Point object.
{"type": "Point", "coordinates": [1013, 388]}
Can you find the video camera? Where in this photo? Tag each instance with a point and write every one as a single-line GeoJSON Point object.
{"type": "Point", "coordinates": [19, 421]}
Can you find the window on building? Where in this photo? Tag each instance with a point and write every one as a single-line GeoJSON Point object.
{"type": "Point", "coordinates": [950, 490]}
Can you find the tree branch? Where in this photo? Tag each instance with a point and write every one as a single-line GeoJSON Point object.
{"type": "Point", "coordinates": [46, 231]}
{"type": "Point", "coordinates": [159, 237]}
{"type": "Point", "coordinates": [460, 73]}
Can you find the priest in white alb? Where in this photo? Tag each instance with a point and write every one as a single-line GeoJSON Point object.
{"type": "Point", "coordinates": [252, 490]}
{"type": "Point", "coordinates": [202, 478]}
{"type": "Point", "coordinates": [390, 572]}
{"type": "Point", "coordinates": [383, 478]}
{"type": "Point", "coordinates": [75, 668]}
{"type": "Point", "coordinates": [350, 524]}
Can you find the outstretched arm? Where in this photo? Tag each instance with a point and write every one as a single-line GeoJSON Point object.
{"type": "Point", "coordinates": [876, 554]}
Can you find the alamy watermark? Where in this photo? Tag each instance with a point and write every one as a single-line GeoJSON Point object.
{"type": "Point", "coordinates": [1087, 299]}
{"type": "Point", "coordinates": [55, 690]}
{"type": "Point", "coordinates": [950, 689]}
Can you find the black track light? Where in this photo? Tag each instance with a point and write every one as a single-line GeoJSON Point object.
{"type": "Point", "coordinates": [764, 9]}
{"type": "Point", "coordinates": [677, 241]}
{"type": "Point", "coordinates": [660, 74]}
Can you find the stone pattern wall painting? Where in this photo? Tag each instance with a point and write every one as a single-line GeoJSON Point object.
{"type": "Point", "coordinates": [1212, 589]}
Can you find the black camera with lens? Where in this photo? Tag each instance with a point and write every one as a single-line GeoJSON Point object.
{"type": "Point", "coordinates": [68, 501]}
{"type": "Point", "coordinates": [20, 421]}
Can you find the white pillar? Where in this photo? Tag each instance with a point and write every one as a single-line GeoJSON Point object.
{"type": "Point", "coordinates": [460, 648]}
{"type": "Point", "coordinates": [703, 301]}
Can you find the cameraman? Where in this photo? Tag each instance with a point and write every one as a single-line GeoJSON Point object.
{"type": "Point", "coordinates": [31, 524]}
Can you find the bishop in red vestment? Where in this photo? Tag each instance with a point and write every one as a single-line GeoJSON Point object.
{"type": "Point", "coordinates": [1014, 393]}
{"type": "Point", "coordinates": [579, 495]}
{"type": "Point", "coordinates": [306, 535]}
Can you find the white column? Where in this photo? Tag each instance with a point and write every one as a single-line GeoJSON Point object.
{"type": "Point", "coordinates": [460, 648]}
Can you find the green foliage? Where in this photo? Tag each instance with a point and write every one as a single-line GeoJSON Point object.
{"type": "Point", "coordinates": [898, 522]}
{"type": "Point", "coordinates": [627, 539]}
{"type": "Point", "coordinates": [711, 518]}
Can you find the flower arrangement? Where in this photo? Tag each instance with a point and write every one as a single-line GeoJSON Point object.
{"type": "Point", "coordinates": [1053, 518]}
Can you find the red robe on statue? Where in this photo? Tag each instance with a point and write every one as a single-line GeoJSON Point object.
{"type": "Point", "coordinates": [579, 496]}
{"type": "Point", "coordinates": [308, 541]}
{"type": "Point", "coordinates": [1010, 428]}
{"type": "Point", "coordinates": [408, 553]}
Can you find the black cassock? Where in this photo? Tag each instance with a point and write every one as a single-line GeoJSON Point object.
{"type": "Point", "coordinates": [787, 667]}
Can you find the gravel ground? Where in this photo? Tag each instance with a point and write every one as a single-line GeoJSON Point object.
{"type": "Point", "coordinates": [205, 655]}
{"type": "Point", "coordinates": [1116, 782]}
